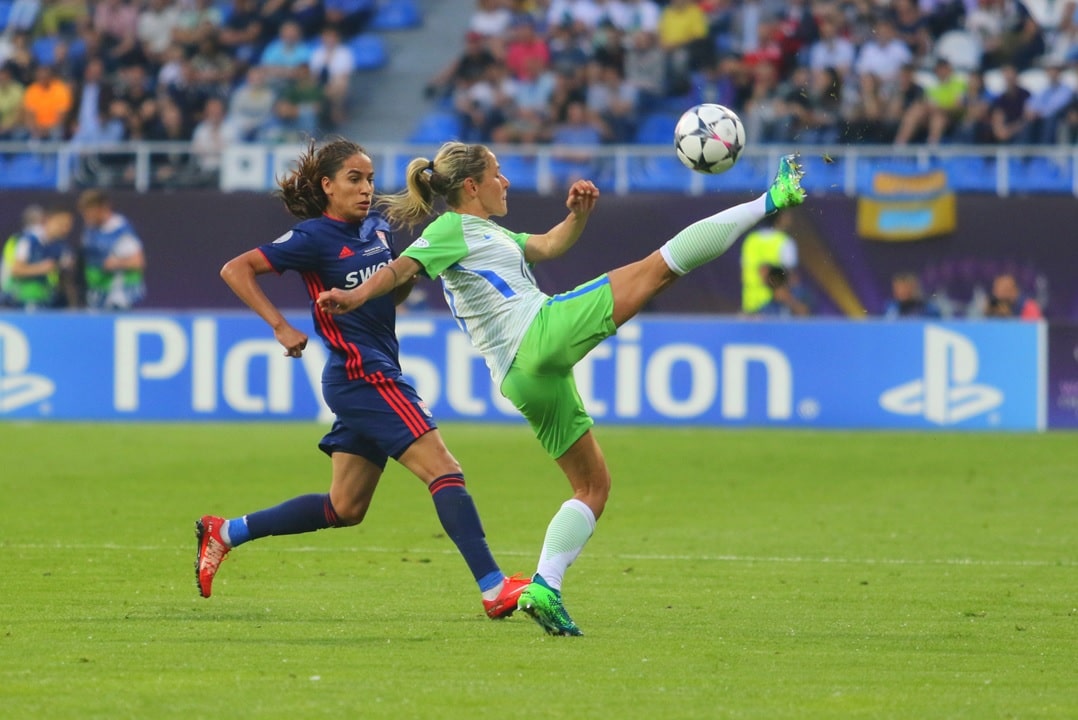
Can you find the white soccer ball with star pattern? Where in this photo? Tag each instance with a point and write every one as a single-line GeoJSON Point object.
{"type": "Point", "coordinates": [708, 138]}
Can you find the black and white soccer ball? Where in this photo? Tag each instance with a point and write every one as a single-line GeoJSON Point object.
{"type": "Point", "coordinates": [708, 138]}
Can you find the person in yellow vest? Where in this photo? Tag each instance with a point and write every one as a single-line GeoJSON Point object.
{"type": "Point", "coordinates": [767, 247]}
{"type": "Point", "coordinates": [32, 216]}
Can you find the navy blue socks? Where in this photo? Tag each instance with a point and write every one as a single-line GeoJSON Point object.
{"type": "Point", "coordinates": [457, 513]}
{"type": "Point", "coordinates": [305, 513]}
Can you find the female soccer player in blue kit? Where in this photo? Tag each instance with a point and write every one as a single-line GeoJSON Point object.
{"type": "Point", "coordinates": [341, 243]}
{"type": "Point", "coordinates": [531, 341]}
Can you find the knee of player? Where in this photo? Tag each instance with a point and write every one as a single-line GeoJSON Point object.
{"type": "Point", "coordinates": [350, 512]}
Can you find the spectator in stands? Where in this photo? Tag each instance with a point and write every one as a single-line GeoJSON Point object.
{"type": "Point", "coordinates": [210, 139]}
{"type": "Point", "coordinates": [333, 63]}
{"type": "Point", "coordinates": [683, 36]}
{"type": "Point", "coordinates": [641, 16]}
{"type": "Point", "coordinates": [116, 21]}
{"type": "Point", "coordinates": [95, 96]}
{"type": "Point", "coordinates": [569, 49]}
{"type": "Point", "coordinates": [885, 54]}
{"type": "Point", "coordinates": [20, 59]}
{"type": "Point", "coordinates": [467, 67]}
{"type": "Point", "coordinates": [214, 69]}
{"type": "Point", "coordinates": [645, 68]}
{"type": "Point", "coordinates": [154, 29]}
{"type": "Point", "coordinates": [299, 112]}
{"type": "Point", "coordinates": [789, 296]}
{"type": "Point", "coordinates": [974, 124]}
{"type": "Point", "coordinates": [613, 100]}
{"type": "Point", "coordinates": [1008, 301]}
{"type": "Point", "coordinates": [523, 46]}
{"type": "Point", "coordinates": [46, 103]}
{"type": "Point", "coordinates": [939, 111]}
{"type": "Point", "coordinates": [284, 56]}
{"type": "Point", "coordinates": [811, 109]}
{"type": "Point", "coordinates": [483, 105]}
{"type": "Point", "coordinates": [831, 49]}
{"type": "Point", "coordinates": [250, 108]}
{"type": "Point", "coordinates": [171, 169]}
{"type": "Point", "coordinates": [1008, 117]}
{"type": "Point", "coordinates": [185, 90]}
{"type": "Point", "coordinates": [23, 15]}
{"type": "Point", "coordinates": [11, 115]}
{"type": "Point", "coordinates": [1010, 35]}
{"type": "Point", "coordinates": [761, 110]}
{"type": "Point", "coordinates": [568, 89]}
{"type": "Point", "coordinates": [1047, 108]}
{"type": "Point", "coordinates": [199, 20]}
{"type": "Point", "coordinates": [866, 121]}
{"type": "Point", "coordinates": [1066, 38]}
{"type": "Point", "coordinates": [907, 299]}
{"type": "Point", "coordinates": [63, 17]}
{"type": "Point", "coordinates": [112, 254]}
{"type": "Point", "coordinates": [1068, 132]}
{"type": "Point", "coordinates": [241, 32]}
{"type": "Point", "coordinates": [350, 17]}
{"type": "Point", "coordinates": [39, 263]}
{"type": "Point", "coordinates": [901, 94]}
{"type": "Point", "coordinates": [491, 19]}
{"type": "Point", "coordinates": [912, 28]}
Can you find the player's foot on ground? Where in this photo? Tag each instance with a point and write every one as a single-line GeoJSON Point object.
{"type": "Point", "coordinates": [786, 190]}
{"type": "Point", "coordinates": [545, 607]}
{"type": "Point", "coordinates": [211, 551]}
{"type": "Point", "coordinates": [506, 603]}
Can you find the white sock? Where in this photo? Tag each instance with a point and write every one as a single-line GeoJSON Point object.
{"type": "Point", "coordinates": [494, 592]}
{"type": "Point", "coordinates": [566, 535]}
{"type": "Point", "coordinates": [706, 239]}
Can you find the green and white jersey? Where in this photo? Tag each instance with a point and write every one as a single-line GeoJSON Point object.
{"type": "Point", "coordinates": [487, 282]}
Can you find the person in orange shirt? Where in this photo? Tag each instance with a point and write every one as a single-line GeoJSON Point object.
{"type": "Point", "coordinates": [45, 105]}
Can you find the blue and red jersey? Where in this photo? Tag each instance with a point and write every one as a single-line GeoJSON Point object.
{"type": "Point", "coordinates": [330, 253]}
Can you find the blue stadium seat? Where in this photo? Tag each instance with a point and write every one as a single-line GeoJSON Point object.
{"type": "Point", "coordinates": [520, 170]}
{"type": "Point", "coordinates": [658, 174]}
{"type": "Point", "coordinates": [1040, 175]}
{"type": "Point", "coordinates": [397, 15]}
{"type": "Point", "coordinates": [29, 171]}
{"type": "Point", "coordinates": [369, 51]}
{"type": "Point", "coordinates": [657, 129]}
{"type": "Point", "coordinates": [436, 128]}
{"type": "Point", "coordinates": [5, 11]}
{"type": "Point", "coordinates": [971, 174]}
{"type": "Point", "coordinates": [823, 176]}
{"type": "Point", "coordinates": [44, 49]}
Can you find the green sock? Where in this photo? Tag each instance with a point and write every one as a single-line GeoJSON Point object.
{"type": "Point", "coordinates": [566, 535]}
{"type": "Point", "coordinates": [706, 239]}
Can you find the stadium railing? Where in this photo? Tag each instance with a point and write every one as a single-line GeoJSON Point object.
{"type": "Point", "coordinates": [622, 169]}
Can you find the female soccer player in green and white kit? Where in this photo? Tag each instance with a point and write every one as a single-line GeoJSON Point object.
{"type": "Point", "coordinates": [530, 340]}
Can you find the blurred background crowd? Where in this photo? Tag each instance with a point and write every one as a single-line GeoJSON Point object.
{"type": "Point", "coordinates": [804, 71]}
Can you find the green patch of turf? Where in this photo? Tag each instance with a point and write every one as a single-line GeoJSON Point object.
{"type": "Point", "coordinates": [734, 575]}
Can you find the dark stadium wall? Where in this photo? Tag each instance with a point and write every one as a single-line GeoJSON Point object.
{"type": "Point", "coordinates": [189, 235]}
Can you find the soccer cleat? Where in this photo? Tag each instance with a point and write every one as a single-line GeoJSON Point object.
{"type": "Point", "coordinates": [545, 607]}
{"type": "Point", "coordinates": [786, 190]}
{"type": "Point", "coordinates": [211, 551]}
{"type": "Point", "coordinates": [506, 603]}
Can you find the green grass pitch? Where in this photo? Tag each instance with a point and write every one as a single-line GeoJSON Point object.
{"type": "Point", "coordinates": [736, 574]}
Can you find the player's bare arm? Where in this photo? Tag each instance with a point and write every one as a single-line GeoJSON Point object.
{"type": "Point", "coordinates": [336, 301]}
{"type": "Point", "coordinates": [583, 196]}
{"type": "Point", "coordinates": [240, 274]}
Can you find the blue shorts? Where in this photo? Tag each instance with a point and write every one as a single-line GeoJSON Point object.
{"type": "Point", "coordinates": [378, 417]}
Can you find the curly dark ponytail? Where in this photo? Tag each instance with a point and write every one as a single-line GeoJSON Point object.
{"type": "Point", "coordinates": [301, 190]}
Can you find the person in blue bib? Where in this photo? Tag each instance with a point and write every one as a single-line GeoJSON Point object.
{"type": "Point", "coordinates": [341, 243]}
{"type": "Point", "coordinates": [530, 340]}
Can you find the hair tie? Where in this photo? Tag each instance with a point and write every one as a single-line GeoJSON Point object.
{"type": "Point", "coordinates": [430, 166]}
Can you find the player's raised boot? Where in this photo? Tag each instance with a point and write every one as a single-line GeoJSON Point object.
{"type": "Point", "coordinates": [212, 549]}
{"type": "Point", "coordinates": [506, 603]}
{"type": "Point", "coordinates": [786, 190]}
{"type": "Point", "coordinates": [544, 605]}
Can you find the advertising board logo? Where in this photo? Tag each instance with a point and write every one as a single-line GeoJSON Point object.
{"type": "Point", "coordinates": [947, 393]}
{"type": "Point", "coordinates": [18, 388]}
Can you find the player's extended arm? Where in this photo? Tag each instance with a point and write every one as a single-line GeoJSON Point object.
{"type": "Point", "coordinates": [555, 242]}
{"type": "Point", "coordinates": [240, 273]}
{"type": "Point", "coordinates": [336, 301]}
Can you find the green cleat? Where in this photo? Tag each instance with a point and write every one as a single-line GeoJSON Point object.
{"type": "Point", "coordinates": [786, 190]}
{"type": "Point", "coordinates": [544, 606]}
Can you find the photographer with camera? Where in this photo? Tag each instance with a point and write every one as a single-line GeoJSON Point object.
{"type": "Point", "coordinates": [770, 283]}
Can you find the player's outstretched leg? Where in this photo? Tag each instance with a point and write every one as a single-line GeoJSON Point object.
{"type": "Point", "coordinates": [212, 550]}
{"type": "Point", "coordinates": [707, 239]}
{"type": "Point", "coordinates": [543, 603]}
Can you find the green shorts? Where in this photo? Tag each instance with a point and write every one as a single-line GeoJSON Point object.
{"type": "Point", "coordinates": [540, 382]}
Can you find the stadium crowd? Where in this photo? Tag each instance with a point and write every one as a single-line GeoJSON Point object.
{"type": "Point", "coordinates": [802, 71]}
{"type": "Point", "coordinates": [201, 71]}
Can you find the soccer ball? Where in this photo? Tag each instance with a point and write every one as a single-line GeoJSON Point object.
{"type": "Point", "coordinates": [708, 138]}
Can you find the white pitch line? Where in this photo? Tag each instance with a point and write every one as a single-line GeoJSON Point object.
{"type": "Point", "coordinates": [791, 560]}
